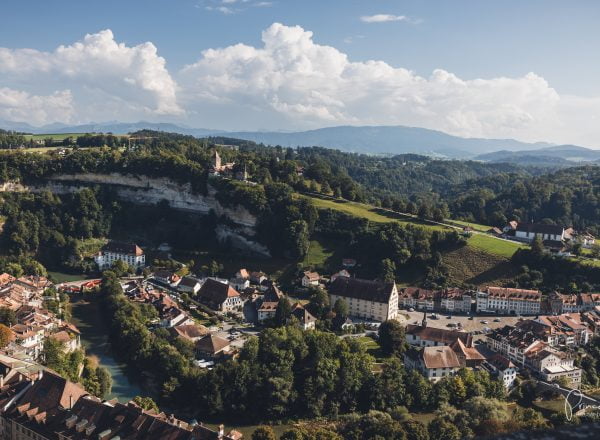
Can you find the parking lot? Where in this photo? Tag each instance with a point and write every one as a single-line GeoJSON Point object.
{"type": "Point", "coordinates": [476, 323]}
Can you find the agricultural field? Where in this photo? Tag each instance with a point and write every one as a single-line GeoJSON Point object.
{"type": "Point", "coordinates": [493, 245]}
{"type": "Point", "coordinates": [371, 213]}
{"type": "Point", "coordinates": [53, 136]}
{"type": "Point", "coordinates": [484, 242]}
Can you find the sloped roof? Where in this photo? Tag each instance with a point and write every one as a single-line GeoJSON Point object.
{"type": "Point", "coordinates": [216, 292]}
{"type": "Point", "coordinates": [439, 357]}
{"type": "Point", "coordinates": [500, 362]}
{"type": "Point", "coordinates": [273, 294]}
{"type": "Point", "coordinates": [189, 282]}
{"type": "Point", "coordinates": [212, 344]}
{"type": "Point", "coordinates": [312, 276]}
{"type": "Point", "coordinates": [540, 228]}
{"type": "Point", "coordinates": [119, 247]}
{"type": "Point", "coordinates": [302, 314]}
{"type": "Point", "coordinates": [511, 293]}
{"type": "Point", "coordinates": [470, 353]}
{"type": "Point", "coordinates": [52, 392]}
{"type": "Point", "coordinates": [362, 289]}
{"type": "Point", "coordinates": [441, 335]}
{"type": "Point", "coordinates": [190, 331]}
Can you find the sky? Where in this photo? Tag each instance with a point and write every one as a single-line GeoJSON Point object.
{"type": "Point", "coordinates": [524, 69]}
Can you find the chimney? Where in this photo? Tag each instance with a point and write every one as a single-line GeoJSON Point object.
{"type": "Point", "coordinates": [71, 401]}
{"type": "Point", "coordinates": [221, 431]}
{"type": "Point", "coordinates": [1, 380]}
{"type": "Point", "coordinates": [40, 374]}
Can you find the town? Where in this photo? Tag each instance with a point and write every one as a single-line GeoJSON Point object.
{"type": "Point", "coordinates": [543, 341]}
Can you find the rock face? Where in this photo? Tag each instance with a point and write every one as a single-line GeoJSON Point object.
{"type": "Point", "coordinates": [146, 190]}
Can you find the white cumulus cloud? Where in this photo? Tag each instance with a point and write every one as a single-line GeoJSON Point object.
{"type": "Point", "coordinates": [292, 82]}
{"type": "Point", "coordinates": [17, 105]}
{"type": "Point", "coordinates": [128, 78]}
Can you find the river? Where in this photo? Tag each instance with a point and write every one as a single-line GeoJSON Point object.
{"type": "Point", "coordinates": [94, 337]}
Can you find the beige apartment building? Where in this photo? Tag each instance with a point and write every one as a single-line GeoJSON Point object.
{"type": "Point", "coordinates": [366, 299]}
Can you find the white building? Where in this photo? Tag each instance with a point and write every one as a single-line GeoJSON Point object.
{"type": "Point", "coordinates": [507, 301]}
{"type": "Point", "coordinates": [219, 296]}
{"type": "Point", "coordinates": [529, 231]}
{"type": "Point", "coordinates": [434, 363]}
{"type": "Point", "coordinates": [550, 364]}
{"type": "Point", "coordinates": [267, 310]}
{"type": "Point", "coordinates": [310, 279]}
{"type": "Point", "coordinates": [189, 285]}
{"type": "Point", "coordinates": [366, 299]}
{"type": "Point", "coordinates": [502, 368]}
{"type": "Point", "coordinates": [131, 254]}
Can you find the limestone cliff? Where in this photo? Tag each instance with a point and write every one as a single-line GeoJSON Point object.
{"type": "Point", "coordinates": [150, 191]}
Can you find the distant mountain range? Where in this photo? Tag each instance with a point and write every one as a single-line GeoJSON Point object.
{"type": "Point", "coordinates": [107, 127]}
{"type": "Point", "coordinates": [386, 140]}
{"type": "Point", "coordinates": [555, 155]}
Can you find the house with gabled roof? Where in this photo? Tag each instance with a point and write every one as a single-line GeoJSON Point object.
{"type": "Point", "coordinates": [219, 296]}
{"type": "Point", "coordinates": [212, 346]}
{"type": "Point", "coordinates": [434, 363]}
{"type": "Point", "coordinates": [305, 319]}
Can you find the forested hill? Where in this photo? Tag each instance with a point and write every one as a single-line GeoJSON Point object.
{"type": "Point", "coordinates": [569, 197]}
{"type": "Point", "coordinates": [483, 192]}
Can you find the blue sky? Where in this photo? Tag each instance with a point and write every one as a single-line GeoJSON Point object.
{"type": "Point", "coordinates": [526, 69]}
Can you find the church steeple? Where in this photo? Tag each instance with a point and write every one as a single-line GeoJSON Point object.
{"type": "Point", "coordinates": [217, 161]}
{"type": "Point", "coordinates": [424, 322]}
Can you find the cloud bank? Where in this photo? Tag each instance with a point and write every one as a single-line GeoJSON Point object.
{"type": "Point", "coordinates": [287, 82]}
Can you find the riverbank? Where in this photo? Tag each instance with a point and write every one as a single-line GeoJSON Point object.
{"type": "Point", "coordinates": [94, 337]}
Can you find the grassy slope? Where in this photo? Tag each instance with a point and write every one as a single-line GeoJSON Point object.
{"type": "Point", "coordinates": [483, 242]}
{"type": "Point", "coordinates": [484, 260]}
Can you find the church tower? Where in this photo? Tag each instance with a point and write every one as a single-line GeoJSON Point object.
{"type": "Point", "coordinates": [217, 161]}
{"type": "Point", "coordinates": [424, 322]}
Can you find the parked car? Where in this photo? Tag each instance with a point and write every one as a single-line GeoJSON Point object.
{"type": "Point", "coordinates": [497, 320]}
{"type": "Point", "coordinates": [484, 321]}
{"type": "Point", "coordinates": [411, 309]}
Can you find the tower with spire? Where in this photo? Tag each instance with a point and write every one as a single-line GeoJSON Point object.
{"type": "Point", "coordinates": [424, 322]}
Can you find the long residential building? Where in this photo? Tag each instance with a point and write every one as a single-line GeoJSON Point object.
{"type": "Point", "coordinates": [129, 253]}
{"type": "Point", "coordinates": [508, 301]}
{"type": "Point", "coordinates": [565, 303]}
{"type": "Point", "coordinates": [366, 299]}
{"type": "Point", "coordinates": [449, 300]}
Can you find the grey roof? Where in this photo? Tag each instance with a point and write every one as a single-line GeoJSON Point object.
{"type": "Point", "coordinates": [362, 289]}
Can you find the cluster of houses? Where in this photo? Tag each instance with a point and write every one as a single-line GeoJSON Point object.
{"type": "Point", "coordinates": [438, 353]}
{"type": "Point", "coordinates": [546, 344]}
{"type": "Point", "coordinates": [554, 237]}
{"type": "Point", "coordinates": [179, 323]}
{"type": "Point", "coordinates": [33, 323]}
{"type": "Point", "coordinates": [36, 403]}
{"type": "Point", "coordinates": [543, 346]}
{"type": "Point", "coordinates": [496, 300]}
